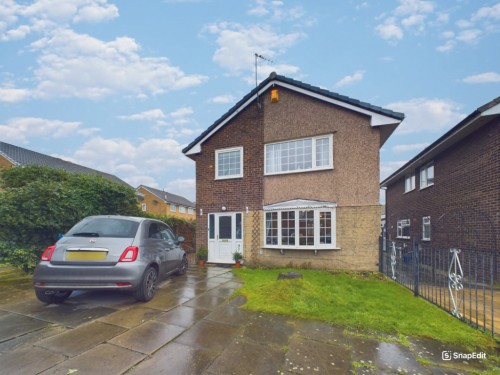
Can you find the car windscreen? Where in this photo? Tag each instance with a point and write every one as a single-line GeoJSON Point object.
{"type": "Point", "coordinates": [104, 227]}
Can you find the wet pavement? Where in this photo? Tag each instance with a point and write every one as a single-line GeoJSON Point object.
{"type": "Point", "coordinates": [193, 326]}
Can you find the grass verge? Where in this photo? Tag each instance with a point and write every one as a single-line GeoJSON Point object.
{"type": "Point", "coordinates": [369, 302]}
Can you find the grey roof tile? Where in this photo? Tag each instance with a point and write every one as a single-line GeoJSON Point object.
{"type": "Point", "coordinates": [21, 156]}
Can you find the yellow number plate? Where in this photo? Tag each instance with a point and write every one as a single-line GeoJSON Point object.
{"type": "Point", "coordinates": [86, 255]}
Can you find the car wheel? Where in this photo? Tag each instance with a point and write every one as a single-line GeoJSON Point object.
{"type": "Point", "coordinates": [147, 287]}
{"type": "Point", "coordinates": [52, 296]}
{"type": "Point", "coordinates": [183, 266]}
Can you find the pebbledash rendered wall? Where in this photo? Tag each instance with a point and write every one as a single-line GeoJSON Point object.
{"type": "Point", "coordinates": [353, 184]}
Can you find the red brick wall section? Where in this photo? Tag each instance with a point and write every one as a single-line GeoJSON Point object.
{"type": "Point", "coordinates": [244, 130]}
{"type": "Point", "coordinates": [463, 203]}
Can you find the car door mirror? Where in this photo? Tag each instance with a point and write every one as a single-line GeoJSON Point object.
{"type": "Point", "coordinates": [180, 239]}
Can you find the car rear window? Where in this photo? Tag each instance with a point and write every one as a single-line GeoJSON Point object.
{"type": "Point", "coordinates": [104, 227]}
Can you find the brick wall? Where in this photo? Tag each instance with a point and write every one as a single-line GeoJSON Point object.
{"type": "Point", "coordinates": [463, 203]}
{"type": "Point", "coordinates": [244, 130]}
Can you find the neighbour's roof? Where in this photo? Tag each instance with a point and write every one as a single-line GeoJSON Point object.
{"type": "Point", "coordinates": [19, 156]}
{"type": "Point", "coordinates": [481, 116]}
{"type": "Point", "coordinates": [379, 116]}
{"type": "Point", "coordinates": [169, 197]}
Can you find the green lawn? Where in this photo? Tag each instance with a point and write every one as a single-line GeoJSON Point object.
{"type": "Point", "coordinates": [367, 302]}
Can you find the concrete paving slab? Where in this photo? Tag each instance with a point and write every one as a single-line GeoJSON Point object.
{"type": "Point", "coordinates": [103, 359]}
{"type": "Point", "coordinates": [78, 340]}
{"type": "Point", "coordinates": [318, 331]}
{"type": "Point", "coordinates": [385, 356]}
{"type": "Point", "coordinates": [176, 359]}
{"type": "Point", "coordinates": [148, 337]}
{"type": "Point", "coordinates": [165, 301]}
{"type": "Point", "coordinates": [230, 315]}
{"type": "Point", "coordinates": [28, 339]}
{"type": "Point", "coordinates": [116, 299]}
{"type": "Point", "coordinates": [306, 356]}
{"type": "Point", "coordinates": [30, 306]}
{"type": "Point", "coordinates": [243, 357]}
{"type": "Point", "coordinates": [14, 325]}
{"type": "Point", "coordinates": [28, 361]}
{"type": "Point", "coordinates": [189, 291]}
{"type": "Point", "coordinates": [131, 317]}
{"type": "Point", "coordinates": [208, 335]}
{"type": "Point", "coordinates": [183, 316]}
{"type": "Point", "coordinates": [205, 302]}
{"type": "Point", "coordinates": [268, 329]}
{"type": "Point", "coordinates": [221, 291]}
{"type": "Point", "coordinates": [72, 314]}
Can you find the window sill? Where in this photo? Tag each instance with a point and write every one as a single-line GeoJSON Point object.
{"type": "Point", "coordinates": [228, 177]}
{"type": "Point", "coordinates": [282, 249]}
{"type": "Point", "coordinates": [425, 187]}
{"type": "Point", "coordinates": [403, 238]}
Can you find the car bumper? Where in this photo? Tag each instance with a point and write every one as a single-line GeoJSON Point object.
{"type": "Point", "coordinates": [74, 277]}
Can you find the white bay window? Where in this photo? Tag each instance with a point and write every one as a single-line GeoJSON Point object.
{"type": "Point", "coordinates": [300, 224]}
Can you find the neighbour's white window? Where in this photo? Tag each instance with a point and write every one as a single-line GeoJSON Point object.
{"type": "Point", "coordinates": [307, 154]}
{"type": "Point", "coordinates": [300, 229]}
{"type": "Point", "coordinates": [427, 175]}
{"type": "Point", "coordinates": [190, 211]}
{"type": "Point", "coordinates": [409, 182]}
{"type": "Point", "coordinates": [403, 230]}
{"type": "Point", "coordinates": [229, 163]}
{"type": "Point", "coordinates": [426, 228]}
{"type": "Point", "coordinates": [144, 206]}
{"type": "Point", "coordinates": [173, 208]}
{"type": "Point", "coordinates": [182, 209]}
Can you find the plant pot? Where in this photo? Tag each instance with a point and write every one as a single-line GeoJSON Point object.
{"type": "Point", "coordinates": [201, 262]}
{"type": "Point", "coordinates": [237, 265]}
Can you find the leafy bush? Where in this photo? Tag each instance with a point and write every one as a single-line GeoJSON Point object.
{"type": "Point", "coordinates": [38, 203]}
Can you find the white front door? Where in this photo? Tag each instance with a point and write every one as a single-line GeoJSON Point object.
{"type": "Point", "coordinates": [225, 236]}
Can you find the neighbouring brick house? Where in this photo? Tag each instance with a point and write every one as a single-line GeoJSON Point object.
{"type": "Point", "coordinates": [14, 156]}
{"type": "Point", "coordinates": [448, 196]}
{"type": "Point", "coordinates": [290, 176]}
{"type": "Point", "coordinates": [160, 202]}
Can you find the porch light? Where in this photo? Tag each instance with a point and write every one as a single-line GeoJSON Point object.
{"type": "Point", "coordinates": [223, 208]}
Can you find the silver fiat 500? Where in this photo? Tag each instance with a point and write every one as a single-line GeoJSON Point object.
{"type": "Point", "coordinates": [110, 252]}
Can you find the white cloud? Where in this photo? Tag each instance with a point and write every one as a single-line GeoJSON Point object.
{"type": "Point", "coordinates": [132, 161]}
{"type": "Point", "coordinates": [414, 6]}
{"type": "Point", "coordinates": [427, 115]}
{"type": "Point", "coordinates": [348, 80]}
{"type": "Point", "coordinates": [22, 128]}
{"type": "Point", "coordinates": [488, 77]}
{"type": "Point", "coordinates": [151, 115]}
{"type": "Point", "coordinates": [237, 45]}
{"type": "Point", "coordinates": [409, 147]}
{"type": "Point", "coordinates": [276, 10]}
{"type": "Point", "coordinates": [77, 65]}
{"type": "Point", "coordinates": [492, 12]}
{"type": "Point", "coordinates": [469, 36]}
{"type": "Point", "coordinates": [43, 16]}
{"type": "Point", "coordinates": [185, 187]}
{"type": "Point", "coordinates": [182, 112]}
{"type": "Point", "coordinates": [388, 168]}
{"type": "Point", "coordinates": [222, 99]}
{"type": "Point", "coordinates": [13, 95]}
{"type": "Point", "coordinates": [389, 30]}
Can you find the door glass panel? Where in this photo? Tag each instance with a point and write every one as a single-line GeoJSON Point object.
{"type": "Point", "coordinates": [225, 228]}
{"type": "Point", "coordinates": [211, 226]}
{"type": "Point", "coordinates": [238, 226]}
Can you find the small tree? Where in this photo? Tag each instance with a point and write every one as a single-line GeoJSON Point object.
{"type": "Point", "coordinates": [38, 203]}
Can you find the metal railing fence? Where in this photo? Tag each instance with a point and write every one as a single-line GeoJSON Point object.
{"type": "Point", "coordinates": [460, 281]}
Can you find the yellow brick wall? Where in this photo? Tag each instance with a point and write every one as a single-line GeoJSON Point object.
{"type": "Point", "coordinates": [357, 240]}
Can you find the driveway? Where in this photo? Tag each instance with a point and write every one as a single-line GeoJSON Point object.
{"type": "Point", "coordinates": [192, 326]}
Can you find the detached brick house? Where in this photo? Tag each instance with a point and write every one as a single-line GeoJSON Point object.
{"type": "Point", "coordinates": [160, 202]}
{"type": "Point", "coordinates": [448, 196]}
{"type": "Point", "coordinates": [290, 176]}
{"type": "Point", "coordinates": [15, 156]}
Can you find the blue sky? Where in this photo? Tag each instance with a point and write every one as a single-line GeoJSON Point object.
{"type": "Point", "coordinates": [123, 86]}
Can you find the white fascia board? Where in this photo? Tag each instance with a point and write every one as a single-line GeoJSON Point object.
{"type": "Point", "coordinates": [376, 118]}
{"type": "Point", "coordinates": [495, 110]}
